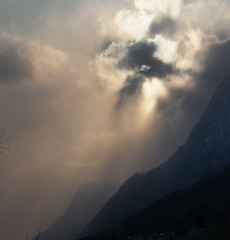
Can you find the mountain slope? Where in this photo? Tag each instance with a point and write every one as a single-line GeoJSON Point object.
{"type": "Point", "coordinates": [207, 151]}
{"type": "Point", "coordinates": [203, 209]}
{"type": "Point", "coordinates": [204, 205]}
{"type": "Point", "coordinates": [88, 200]}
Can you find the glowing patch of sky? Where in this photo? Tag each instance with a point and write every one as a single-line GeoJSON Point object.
{"type": "Point", "coordinates": [172, 7]}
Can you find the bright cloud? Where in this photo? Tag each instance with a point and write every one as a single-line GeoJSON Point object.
{"type": "Point", "coordinates": [171, 7]}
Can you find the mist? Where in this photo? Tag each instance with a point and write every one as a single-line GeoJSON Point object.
{"type": "Point", "coordinates": [98, 90]}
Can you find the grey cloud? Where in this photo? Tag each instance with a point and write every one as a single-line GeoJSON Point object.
{"type": "Point", "coordinates": [132, 87]}
{"type": "Point", "coordinates": [216, 68]}
{"type": "Point", "coordinates": [217, 65]}
{"type": "Point", "coordinates": [14, 65]}
{"type": "Point", "coordinates": [133, 84]}
{"type": "Point", "coordinates": [106, 44]}
{"type": "Point", "coordinates": [140, 58]}
{"type": "Point", "coordinates": [165, 26]}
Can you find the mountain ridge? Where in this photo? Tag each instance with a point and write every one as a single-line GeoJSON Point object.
{"type": "Point", "coordinates": [201, 209]}
{"type": "Point", "coordinates": [206, 151]}
{"type": "Point", "coordinates": [86, 202]}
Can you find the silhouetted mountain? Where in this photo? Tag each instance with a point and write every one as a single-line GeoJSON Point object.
{"type": "Point", "coordinates": [199, 212]}
{"type": "Point", "coordinates": [86, 203]}
{"type": "Point", "coordinates": [207, 151]}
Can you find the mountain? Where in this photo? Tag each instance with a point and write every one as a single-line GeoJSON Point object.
{"type": "Point", "coordinates": [207, 151]}
{"type": "Point", "coordinates": [201, 211]}
{"type": "Point", "coordinates": [88, 200]}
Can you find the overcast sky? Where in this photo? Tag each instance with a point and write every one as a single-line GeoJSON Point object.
{"type": "Point", "coordinates": [98, 89]}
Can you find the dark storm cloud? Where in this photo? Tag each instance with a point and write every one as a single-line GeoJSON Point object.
{"type": "Point", "coordinates": [165, 26]}
{"type": "Point", "coordinates": [14, 65]}
{"type": "Point", "coordinates": [140, 58]}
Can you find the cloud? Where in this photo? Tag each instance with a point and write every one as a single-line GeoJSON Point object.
{"type": "Point", "coordinates": [216, 68]}
{"type": "Point", "coordinates": [165, 26]}
{"type": "Point", "coordinates": [182, 105]}
{"type": "Point", "coordinates": [46, 109]}
{"type": "Point", "coordinates": [14, 63]}
{"type": "Point", "coordinates": [137, 61]}
{"type": "Point", "coordinates": [69, 63]}
{"type": "Point", "coordinates": [132, 87]}
{"type": "Point", "coordinates": [130, 60]}
{"type": "Point", "coordinates": [139, 57]}
{"type": "Point", "coordinates": [170, 7]}
{"type": "Point", "coordinates": [133, 84]}
{"type": "Point", "coordinates": [217, 63]}
{"type": "Point", "coordinates": [24, 60]}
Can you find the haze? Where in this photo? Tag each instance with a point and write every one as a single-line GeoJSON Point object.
{"type": "Point", "coordinates": [96, 90]}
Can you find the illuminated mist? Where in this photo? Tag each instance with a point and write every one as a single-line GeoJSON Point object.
{"type": "Point", "coordinates": [97, 90]}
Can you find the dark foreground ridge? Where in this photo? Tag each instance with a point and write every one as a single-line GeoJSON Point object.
{"type": "Point", "coordinates": [200, 212]}
{"type": "Point", "coordinates": [206, 152]}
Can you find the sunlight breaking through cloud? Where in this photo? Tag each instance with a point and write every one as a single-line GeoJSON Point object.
{"type": "Point", "coordinates": [93, 90]}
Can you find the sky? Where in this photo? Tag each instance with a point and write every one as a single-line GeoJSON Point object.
{"type": "Point", "coordinates": [94, 90]}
